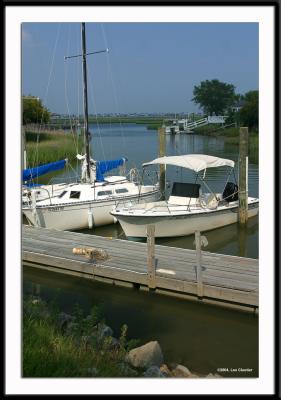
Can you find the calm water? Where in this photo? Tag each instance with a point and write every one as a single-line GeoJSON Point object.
{"type": "Point", "coordinates": [201, 337]}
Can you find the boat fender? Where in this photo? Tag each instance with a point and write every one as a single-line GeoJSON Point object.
{"type": "Point", "coordinates": [90, 219]}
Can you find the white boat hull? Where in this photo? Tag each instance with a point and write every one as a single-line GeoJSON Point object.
{"type": "Point", "coordinates": [169, 225]}
{"type": "Point", "coordinates": [80, 215]}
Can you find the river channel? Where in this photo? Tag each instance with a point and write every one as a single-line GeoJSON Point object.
{"type": "Point", "coordinates": [202, 337]}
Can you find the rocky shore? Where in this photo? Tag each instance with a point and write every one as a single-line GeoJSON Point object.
{"type": "Point", "coordinates": [146, 360]}
{"type": "Point", "coordinates": [96, 339]}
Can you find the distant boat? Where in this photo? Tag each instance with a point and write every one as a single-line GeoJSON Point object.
{"type": "Point", "coordinates": [172, 129]}
{"type": "Point", "coordinates": [187, 209]}
{"type": "Point", "coordinates": [88, 203]}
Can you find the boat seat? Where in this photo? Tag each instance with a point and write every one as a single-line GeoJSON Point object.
{"type": "Point", "coordinates": [185, 194]}
{"type": "Point", "coordinates": [209, 200]}
{"type": "Point", "coordinates": [183, 201]}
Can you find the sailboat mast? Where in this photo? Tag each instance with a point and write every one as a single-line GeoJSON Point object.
{"type": "Point", "coordinates": [86, 123]}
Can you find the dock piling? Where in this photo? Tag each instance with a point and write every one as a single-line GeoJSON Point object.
{"type": "Point", "coordinates": [162, 167]}
{"type": "Point", "coordinates": [199, 264]}
{"type": "Point", "coordinates": [243, 176]}
{"type": "Point", "coordinates": [151, 256]}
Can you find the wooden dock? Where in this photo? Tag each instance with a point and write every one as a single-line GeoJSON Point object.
{"type": "Point", "coordinates": [206, 277]}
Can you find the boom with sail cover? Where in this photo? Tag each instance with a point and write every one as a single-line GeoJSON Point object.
{"type": "Point", "coordinates": [108, 165]}
{"type": "Point", "coordinates": [31, 173]}
{"type": "Point", "coordinates": [98, 168]}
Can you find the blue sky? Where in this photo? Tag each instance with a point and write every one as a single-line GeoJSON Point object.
{"type": "Point", "coordinates": [150, 67]}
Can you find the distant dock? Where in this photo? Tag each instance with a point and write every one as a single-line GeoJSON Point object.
{"type": "Point", "coordinates": [224, 280]}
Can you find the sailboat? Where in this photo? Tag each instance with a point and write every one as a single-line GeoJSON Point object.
{"type": "Point", "coordinates": [86, 204]}
{"type": "Point", "coordinates": [41, 191]}
{"type": "Point", "coordinates": [188, 208]}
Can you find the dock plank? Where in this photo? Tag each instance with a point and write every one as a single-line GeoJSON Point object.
{"type": "Point", "coordinates": [225, 278]}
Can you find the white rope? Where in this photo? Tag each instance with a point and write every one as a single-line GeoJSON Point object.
{"type": "Point", "coordinates": [75, 141]}
{"type": "Point", "coordinates": [35, 156]}
{"type": "Point", "coordinates": [109, 69]}
{"type": "Point", "coordinates": [92, 97]}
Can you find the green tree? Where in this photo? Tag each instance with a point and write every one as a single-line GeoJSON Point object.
{"type": "Point", "coordinates": [33, 111]}
{"type": "Point", "coordinates": [214, 97]}
{"type": "Point", "coordinates": [249, 113]}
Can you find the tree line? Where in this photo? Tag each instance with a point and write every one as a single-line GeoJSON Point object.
{"type": "Point", "coordinates": [212, 96]}
{"type": "Point", "coordinates": [219, 98]}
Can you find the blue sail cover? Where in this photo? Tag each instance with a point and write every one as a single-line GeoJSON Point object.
{"type": "Point", "coordinates": [31, 173]}
{"type": "Point", "coordinates": [103, 166]}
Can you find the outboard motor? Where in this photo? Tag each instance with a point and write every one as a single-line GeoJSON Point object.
{"type": "Point", "coordinates": [230, 192]}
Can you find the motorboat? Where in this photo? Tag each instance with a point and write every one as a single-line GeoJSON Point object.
{"type": "Point", "coordinates": [190, 207]}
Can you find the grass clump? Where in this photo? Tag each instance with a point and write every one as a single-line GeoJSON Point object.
{"type": "Point", "coordinates": [44, 148]}
{"type": "Point", "coordinates": [56, 344]}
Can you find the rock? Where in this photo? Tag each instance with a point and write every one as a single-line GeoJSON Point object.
{"type": "Point", "coordinates": [210, 375]}
{"type": "Point", "coordinates": [154, 372]}
{"type": "Point", "coordinates": [145, 356]}
{"type": "Point", "coordinates": [165, 370]}
{"type": "Point", "coordinates": [180, 371]}
{"type": "Point", "coordinates": [126, 370]}
{"type": "Point", "coordinates": [71, 328]}
{"type": "Point", "coordinates": [101, 331]}
{"type": "Point", "coordinates": [104, 330]}
{"type": "Point", "coordinates": [114, 344]}
{"type": "Point", "coordinates": [92, 371]}
{"type": "Point", "coordinates": [89, 371]}
{"type": "Point", "coordinates": [64, 319]}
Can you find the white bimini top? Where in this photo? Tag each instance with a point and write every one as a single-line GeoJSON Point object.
{"type": "Point", "coordinates": [195, 162]}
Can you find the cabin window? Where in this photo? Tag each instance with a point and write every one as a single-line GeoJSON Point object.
{"type": "Point", "coordinates": [105, 193]}
{"type": "Point", "coordinates": [74, 195]}
{"type": "Point", "coordinates": [62, 194]}
{"type": "Point", "coordinates": [121, 190]}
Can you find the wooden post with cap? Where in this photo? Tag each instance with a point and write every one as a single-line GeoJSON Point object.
{"type": "Point", "coordinates": [243, 176]}
{"type": "Point", "coordinates": [199, 264]}
{"type": "Point", "coordinates": [151, 256]}
{"type": "Point", "coordinates": [162, 168]}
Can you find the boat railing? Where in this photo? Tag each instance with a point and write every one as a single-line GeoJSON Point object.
{"type": "Point", "coordinates": [33, 200]}
{"type": "Point", "coordinates": [62, 180]}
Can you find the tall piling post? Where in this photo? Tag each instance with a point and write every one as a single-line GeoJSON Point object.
{"type": "Point", "coordinates": [162, 168]}
{"type": "Point", "coordinates": [199, 264]}
{"type": "Point", "coordinates": [151, 268]}
{"type": "Point", "coordinates": [243, 176]}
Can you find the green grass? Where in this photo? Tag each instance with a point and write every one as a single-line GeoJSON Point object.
{"type": "Point", "coordinates": [51, 147]}
{"type": "Point", "coordinates": [48, 351]}
{"type": "Point", "coordinates": [230, 134]}
{"type": "Point", "coordinates": [150, 122]}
